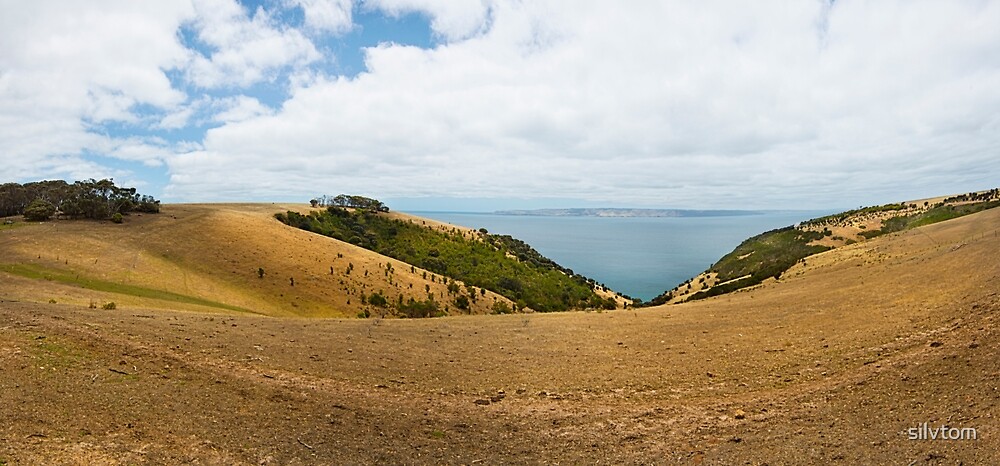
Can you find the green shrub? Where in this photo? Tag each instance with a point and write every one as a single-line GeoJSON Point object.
{"type": "Point", "coordinates": [772, 253]}
{"type": "Point", "coordinates": [485, 262]}
{"type": "Point", "coordinates": [501, 307]}
{"type": "Point", "coordinates": [376, 299]}
{"type": "Point", "coordinates": [418, 309]}
{"type": "Point", "coordinates": [91, 199]}
{"type": "Point", "coordinates": [117, 218]}
{"type": "Point", "coordinates": [109, 306]}
{"type": "Point", "coordinates": [871, 234]}
{"type": "Point", "coordinates": [758, 258]}
{"type": "Point", "coordinates": [39, 211]}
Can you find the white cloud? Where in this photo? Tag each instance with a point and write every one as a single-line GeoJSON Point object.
{"type": "Point", "coordinates": [332, 16]}
{"type": "Point", "coordinates": [176, 119]}
{"type": "Point", "coordinates": [765, 105]}
{"type": "Point", "coordinates": [149, 151]}
{"type": "Point", "coordinates": [240, 108]}
{"type": "Point", "coordinates": [245, 49]}
{"type": "Point", "coordinates": [769, 104]}
{"type": "Point", "coordinates": [65, 66]}
{"type": "Point", "coordinates": [67, 69]}
{"type": "Point", "coordinates": [452, 20]}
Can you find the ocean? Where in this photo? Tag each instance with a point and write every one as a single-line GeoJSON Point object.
{"type": "Point", "coordinates": [641, 257]}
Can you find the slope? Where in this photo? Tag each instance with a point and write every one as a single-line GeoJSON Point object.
{"type": "Point", "coordinates": [768, 255]}
{"type": "Point", "coordinates": [498, 263]}
{"type": "Point", "coordinates": [207, 257]}
{"type": "Point", "coordinates": [833, 363]}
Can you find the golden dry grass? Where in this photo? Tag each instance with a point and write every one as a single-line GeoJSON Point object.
{"type": "Point", "coordinates": [212, 252]}
{"type": "Point", "coordinates": [830, 364]}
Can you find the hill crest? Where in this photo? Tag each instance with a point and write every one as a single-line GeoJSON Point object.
{"type": "Point", "coordinates": [211, 253]}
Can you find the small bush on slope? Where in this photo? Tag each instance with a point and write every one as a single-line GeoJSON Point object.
{"type": "Point", "coordinates": [501, 264]}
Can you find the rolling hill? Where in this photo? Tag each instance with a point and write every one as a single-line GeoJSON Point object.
{"type": "Point", "coordinates": [835, 362]}
{"type": "Point", "coordinates": [480, 260]}
{"type": "Point", "coordinates": [770, 254]}
{"type": "Point", "coordinates": [208, 258]}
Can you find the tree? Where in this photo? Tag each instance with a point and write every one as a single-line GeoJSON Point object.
{"type": "Point", "coordinates": [148, 205]}
{"type": "Point", "coordinates": [39, 211]}
{"type": "Point", "coordinates": [376, 299]}
{"type": "Point", "coordinates": [83, 199]}
{"type": "Point", "coordinates": [501, 307]}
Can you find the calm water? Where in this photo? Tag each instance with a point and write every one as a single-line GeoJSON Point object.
{"type": "Point", "coordinates": [640, 257]}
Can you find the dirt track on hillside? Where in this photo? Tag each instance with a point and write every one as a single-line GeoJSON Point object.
{"type": "Point", "coordinates": [832, 364]}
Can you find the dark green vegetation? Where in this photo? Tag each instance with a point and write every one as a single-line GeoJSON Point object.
{"type": "Point", "coordinates": [837, 218]}
{"type": "Point", "coordinates": [354, 202]}
{"type": "Point", "coordinates": [629, 213]}
{"type": "Point", "coordinates": [933, 215]}
{"type": "Point", "coordinates": [502, 264]}
{"type": "Point", "coordinates": [993, 194]}
{"type": "Point", "coordinates": [772, 253]}
{"type": "Point", "coordinates": [39, 211]}
{"type": "Point", "coordinates": [99, 200]}
{"type": "Point", "coordinates": [761, 257]}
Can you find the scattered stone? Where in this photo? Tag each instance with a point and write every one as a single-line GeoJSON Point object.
{"type": "Point", "coordinates": [935, 344]}
{"type": "Point", "coordinates": [482, 402]}
{"type": "Point", "coordinates": [740, 414]}
{"type": "Point", "coordinates": [973, 345]}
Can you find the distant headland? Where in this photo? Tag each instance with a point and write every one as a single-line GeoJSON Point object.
{"type": "Point", "coordinates": [626, 212]}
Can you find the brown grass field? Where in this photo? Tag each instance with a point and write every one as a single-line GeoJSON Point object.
{"type": "Point", "coordinates": [211, 253]}
{"type": "Point", "coordinates": [831, 364]}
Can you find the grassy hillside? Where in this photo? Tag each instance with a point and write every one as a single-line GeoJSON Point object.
{"type": "Point", "coordinates": [764, 256]}
{"type": "Point", "coordinates": [501, 264]}
{"type": "Point", "coordinates": [830, 365]}
{"type": "Point", "coordinates": [210, 258]}
{"type": "Point", "coordinates": [772, 253]}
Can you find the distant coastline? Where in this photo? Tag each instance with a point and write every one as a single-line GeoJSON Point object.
{"type": "Point", "coordinates": [627, 213]}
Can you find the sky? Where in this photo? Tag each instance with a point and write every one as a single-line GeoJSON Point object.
{"type": "Point", "coordinates": [477, 105]}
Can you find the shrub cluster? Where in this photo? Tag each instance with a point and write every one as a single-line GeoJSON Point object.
{"type": "Point", "coordinates": [772, 253]}
{"type": "Point", "coordinates": [92, 199]}
{"type": "Point", "coordinates": [501, 264]}
{"type": "Point", "coordinates": [758, 258]}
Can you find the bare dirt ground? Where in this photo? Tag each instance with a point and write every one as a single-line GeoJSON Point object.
{"type": "Point", "coordinates": [832, 364]}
